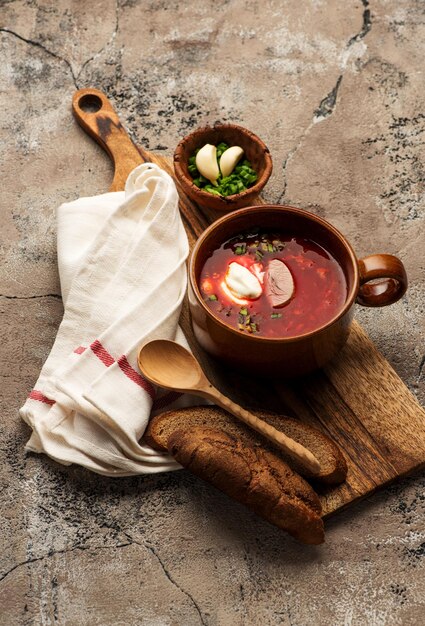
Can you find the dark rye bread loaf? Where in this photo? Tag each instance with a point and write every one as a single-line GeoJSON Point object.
{"type": "Point", "coordinates": [332, 462]}
{"type": "Point", "coordinates": [253, 476]}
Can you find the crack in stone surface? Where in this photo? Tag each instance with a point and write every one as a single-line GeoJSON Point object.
{"type": "Point", "coordinates": [173, 582]}
{"type": "Point", "coordinates": [328, 103]}
{"type": "Point", "coordinates": [153, 551]}
{"type": "Point", "coordinates": [367, 24]}
{"type": "Point", "coordinates": [37, 44]}
{"type": "Point", "coordinates": [110, 40]}
{"type": "Point", "coordinates": [55, 552]}
{"type": "Point", "coordinates": [41, 295]}
{"type": "Point", "coordinates": [21, 564]}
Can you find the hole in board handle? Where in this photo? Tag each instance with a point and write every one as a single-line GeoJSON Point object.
{"type": "Point", "coordinates": [90, 103]}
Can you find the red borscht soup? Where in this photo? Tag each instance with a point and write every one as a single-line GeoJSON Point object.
{"type": "Point", "coordinates": [273, 285]}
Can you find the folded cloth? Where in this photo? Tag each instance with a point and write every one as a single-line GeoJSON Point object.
{"type": "Point", "coordinates": [121, 259]}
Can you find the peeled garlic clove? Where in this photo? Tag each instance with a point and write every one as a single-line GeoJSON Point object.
{"type": "Point", "coordinates": [229, 159]}
{"type": "Point", "coordinates": [241, 282]}
{"type": "Point", "coordinates": [279, 283]}
{"type": "Point", "coordinates": [206, 162]}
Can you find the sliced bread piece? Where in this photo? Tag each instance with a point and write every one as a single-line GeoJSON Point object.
{"type": "Point", "coordinates": [253, 476]}
{"type": "Point", "coordinates": [332, 462]}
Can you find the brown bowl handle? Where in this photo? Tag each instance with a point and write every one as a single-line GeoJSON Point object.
{"type": "Point", "coordinates": [382, 292]}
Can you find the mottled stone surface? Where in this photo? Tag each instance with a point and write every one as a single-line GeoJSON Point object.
{"type": "Point", "coordinates": [336, 91]}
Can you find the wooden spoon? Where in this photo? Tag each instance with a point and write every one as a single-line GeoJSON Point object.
{"type": "Point", "coordinates": [168, 364]}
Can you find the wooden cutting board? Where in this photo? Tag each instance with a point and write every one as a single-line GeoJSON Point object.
{"type": "Point", "coordinates": [358, 400]}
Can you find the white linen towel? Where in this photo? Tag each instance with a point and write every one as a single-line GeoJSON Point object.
{"type": "Point", "coordinates": [122, 269]}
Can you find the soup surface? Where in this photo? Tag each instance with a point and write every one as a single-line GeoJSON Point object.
{"type": "Point", "coordinates": [315, 287]}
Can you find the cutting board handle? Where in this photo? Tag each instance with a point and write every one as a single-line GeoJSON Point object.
{"type": "Point", "coordinates": [98, 118]}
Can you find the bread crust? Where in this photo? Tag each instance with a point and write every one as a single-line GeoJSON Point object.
{"type": "Point", "coordinates": [333, 464]}
{"type": "Point", "coordinates": [253, 476]}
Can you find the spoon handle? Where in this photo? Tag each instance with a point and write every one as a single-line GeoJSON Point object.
{"type": "Point", "coordinates": [291, 447]}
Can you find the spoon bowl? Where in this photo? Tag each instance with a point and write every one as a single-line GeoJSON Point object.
{"type": "Point", "coordinates": [168, 364]}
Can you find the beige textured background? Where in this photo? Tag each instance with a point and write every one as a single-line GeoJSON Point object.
{"type": "Point", "coordinates": [335, 88]}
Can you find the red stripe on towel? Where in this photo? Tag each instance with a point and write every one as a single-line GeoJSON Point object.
{"type": "Point", "coordinates": [102, 354]}
{"type": "Point", "coordinates": [165, 400]}
{"type": "Point", "coordinates": [131, 373]}
{"type": "Point", "coordinates": [37, 395]}
{"type": "Point", "coordinates": [108, 360]}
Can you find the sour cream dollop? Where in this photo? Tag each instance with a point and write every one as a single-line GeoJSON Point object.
{"type": "Point", "coordinates": [241, 282]}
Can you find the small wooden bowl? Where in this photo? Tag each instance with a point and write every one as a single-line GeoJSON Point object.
{"type": "Point", "coordinates": [255, 150]}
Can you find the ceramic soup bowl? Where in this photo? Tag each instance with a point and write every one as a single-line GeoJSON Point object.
{"type": "Point", "coordinates": [296, 354]}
